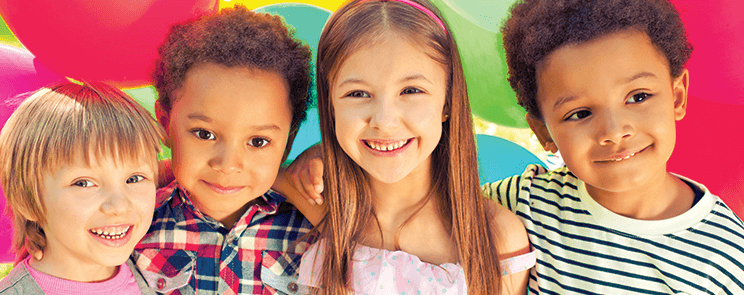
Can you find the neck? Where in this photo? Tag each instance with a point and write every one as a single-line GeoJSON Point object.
{"type": "Point", "coordinates": [665, 196]}
{"type": "Point", "coordinates": [71, 268]}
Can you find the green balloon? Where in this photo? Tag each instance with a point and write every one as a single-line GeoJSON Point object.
{"type": "Point", "coordinates": [146, 97]}
{"type": "Point", "coordinates": [484, 63]}
{"type": "Point", "coordinates": [7, 37]}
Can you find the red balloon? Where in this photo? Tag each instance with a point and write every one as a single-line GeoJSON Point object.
{"type": "Point", "coordinates": [101, 40]}
{"type": "Point", "coordinates": [715, 30]}
{"type": "Point", "coordinates": [708, 149]}
{"type": "Point", "coordinates": [20, 73]}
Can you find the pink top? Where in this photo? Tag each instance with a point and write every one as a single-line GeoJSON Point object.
{"type": "Point", "coordinates": [122, 283]}
{"type": "Point", "coordinates": [380, 271]}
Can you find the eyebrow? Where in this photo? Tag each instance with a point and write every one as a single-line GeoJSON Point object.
{"type": "Point", "coordinates": [201, 117]}
{"type": "Point", "coordinates": [564, 99]}
{"type": "Point", "coordinates": [414, 77]}
{"type": "Point", "coordinates": [639, 76]}
{"type": "Point", "coordinates": [404, 79]}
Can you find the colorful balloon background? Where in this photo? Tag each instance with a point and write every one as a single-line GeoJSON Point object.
{"type": "Point", "coordinates": [106, 40]}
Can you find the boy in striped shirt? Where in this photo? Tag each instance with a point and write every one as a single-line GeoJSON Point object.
{"type": "Point", "coordinates": [604, 82]}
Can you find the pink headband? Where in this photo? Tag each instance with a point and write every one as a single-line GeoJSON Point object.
{"type": "Point", "coordinates": [419, 7]}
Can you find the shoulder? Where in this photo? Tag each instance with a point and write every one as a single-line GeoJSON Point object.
{"type": "Point", "coordinates": [508, 230]}
{"type": "Point", "coordinates": [19, 281]}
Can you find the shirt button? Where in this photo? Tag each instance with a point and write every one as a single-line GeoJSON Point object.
{"type": "Point", "coordinates": [292, 287]}
{"type": "Point", "coordinates": [161, 283]}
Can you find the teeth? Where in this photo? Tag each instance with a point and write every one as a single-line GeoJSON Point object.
{"type": "Point", "coordinates": [111, 233]}
{"type": "Point", "coordinates": [624, 158]}
{"type": "Point", "coordinates": [386, 147]}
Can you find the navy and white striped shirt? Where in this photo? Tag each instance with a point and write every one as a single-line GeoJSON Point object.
{"type": "Point", "coordinates": [584, 248]}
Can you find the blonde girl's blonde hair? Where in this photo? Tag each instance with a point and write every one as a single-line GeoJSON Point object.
{"type": "Point", "coordinates": [55, 125]}
{"type": "Point", "coordinates": [454, 160]}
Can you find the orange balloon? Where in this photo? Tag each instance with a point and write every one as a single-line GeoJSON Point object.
{"type": "Point", "coordinates": [331, 5]}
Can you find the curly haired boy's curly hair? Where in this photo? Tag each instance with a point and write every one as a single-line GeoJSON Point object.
{"type": "Point", "coordinates": [538, 27]}
{"type": "Point", "coordinates": [236, 37]}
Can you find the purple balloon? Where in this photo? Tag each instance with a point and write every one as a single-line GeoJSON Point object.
{"type": "Point", "coordinates": [20, 73]}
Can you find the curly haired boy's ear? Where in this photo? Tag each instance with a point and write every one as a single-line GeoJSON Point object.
{"type": "Point", "coordinates": [541, 131]}
{"type": "Point", "coordinates": [679, 90]}
{"type": "Point", "coordinates": [163, 117]}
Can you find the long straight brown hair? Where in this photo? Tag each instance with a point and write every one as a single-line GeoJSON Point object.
{"type": "Point", "coordinates": [454, 160]}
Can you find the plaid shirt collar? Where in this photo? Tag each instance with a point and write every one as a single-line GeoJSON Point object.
{"type": "Point", "coordinates": [268, 203]}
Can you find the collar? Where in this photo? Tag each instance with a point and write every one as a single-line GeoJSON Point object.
{"type": "Point", "coordinates": [174, 195]}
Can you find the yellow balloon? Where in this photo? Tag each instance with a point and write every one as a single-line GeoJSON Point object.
{"type": "Point", "coordinates": [331, 5]}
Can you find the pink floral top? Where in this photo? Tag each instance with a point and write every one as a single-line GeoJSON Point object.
{"type": "Point", "coordinates": [380, 271]}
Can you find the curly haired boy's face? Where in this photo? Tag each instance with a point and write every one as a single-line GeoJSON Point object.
{"type": "Point", "coordinates": [228, 129]}
{"type": "Point", "coordinates": [609, 106]}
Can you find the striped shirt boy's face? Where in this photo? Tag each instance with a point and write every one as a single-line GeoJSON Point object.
{"type": "Point", "coordinates": [610, 106]}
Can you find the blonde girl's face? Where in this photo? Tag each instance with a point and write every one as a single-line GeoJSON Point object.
{"type": "Point", "coordinates": [388, 100]}
{"type": "Point", "coordinates": [96, 214]}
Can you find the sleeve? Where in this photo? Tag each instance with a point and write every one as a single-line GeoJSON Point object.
{"type": "Point", "coordinates": [506, 191]}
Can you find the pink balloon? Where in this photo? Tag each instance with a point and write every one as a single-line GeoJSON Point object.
{"type": "Point", "coordinates": [715, 30]}
{"type": "Point", "coordinates": [102, 40]}
{"type": "Point", "coordinates": [708, 149]}
{"type": "Point", "coordinates": [20, 73]}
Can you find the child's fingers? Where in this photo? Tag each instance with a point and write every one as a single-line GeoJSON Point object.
{"type": "Point", "coordinates": [307, 185]}
{"type": "Point", "coordinates": [295, 179]}
{"type": "Point", "coordinates": [315, 170]}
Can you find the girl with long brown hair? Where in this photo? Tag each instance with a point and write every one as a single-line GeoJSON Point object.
{"type": "Point", "coordinates": [404, 212]}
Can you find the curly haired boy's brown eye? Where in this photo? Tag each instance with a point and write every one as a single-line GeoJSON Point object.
{"type": "Point", "coordinates": [259, 142]}
{"type": "Point", "coordinates": [203, 134]}
{"type": "Point", "coordinates": [639, 97]}
{"type": "Point", "coordinates": [579, 115]}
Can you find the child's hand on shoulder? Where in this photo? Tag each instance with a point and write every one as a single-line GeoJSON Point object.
{"type": "Point", "coordinates": [305, 174]}
{"type": "Point", "coordinates": [302, 184]}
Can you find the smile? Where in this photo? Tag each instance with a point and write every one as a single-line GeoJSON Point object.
{"type": "Point", "coordinates": [387, 146]}
{"type": "Point", "coordinates": [223, 190]}
{"type": "Point", "coordinates": [623, 156]}
{"type": "Point", "coordinates": [111, 232]}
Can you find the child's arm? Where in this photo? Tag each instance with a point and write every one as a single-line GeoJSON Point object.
{"type": "Point", "coordinates": [302, 182]}
{"type": "Point", "coordinates": [511, 241]}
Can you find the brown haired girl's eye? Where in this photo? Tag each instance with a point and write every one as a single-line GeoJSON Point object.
{"type": "Point", "coordinates": [259, 142]}
{"type": "Point", "coordinates": [411, 90]}
{"type": "Point", "coordinates": [358, 93]}
{"type": "Point", "coordinates": [203, 134]}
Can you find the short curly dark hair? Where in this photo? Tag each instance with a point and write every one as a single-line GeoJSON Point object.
{"type": "Point", "coordinates": [236, 37]}
{"type": "Point", "coordinates": [538, 27]}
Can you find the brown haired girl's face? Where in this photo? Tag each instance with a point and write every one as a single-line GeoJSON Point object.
{"type": "Point", "coordinates": [388, 100]}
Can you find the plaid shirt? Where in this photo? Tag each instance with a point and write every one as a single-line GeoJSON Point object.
{"type": "Point", "coordinates": [187, 252]}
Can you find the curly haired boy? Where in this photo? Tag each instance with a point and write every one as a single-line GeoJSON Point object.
{"type": "Point", "coordinates": [233, 90]}
{"type": "Point", "coordinates": [604, 82]}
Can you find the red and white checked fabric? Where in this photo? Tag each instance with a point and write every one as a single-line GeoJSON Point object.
{"type": "Point", "coordinates": [187, 252]}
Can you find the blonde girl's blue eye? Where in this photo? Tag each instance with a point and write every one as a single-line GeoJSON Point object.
{"type": "Point", "coordinates": [411, 90]}
{"type": "Point", "coordinates": [639, 97]}
{"type": "Point", "coordinates": [579, 115]}
{"type": "Point", "coordinates": [135, 178]}
{"type": "Point", "coordinates": [83, 183]}
{"type": "Point", "coordinates": [258, 142]}
{"type": "Point", "coordinates": [203, 134]}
